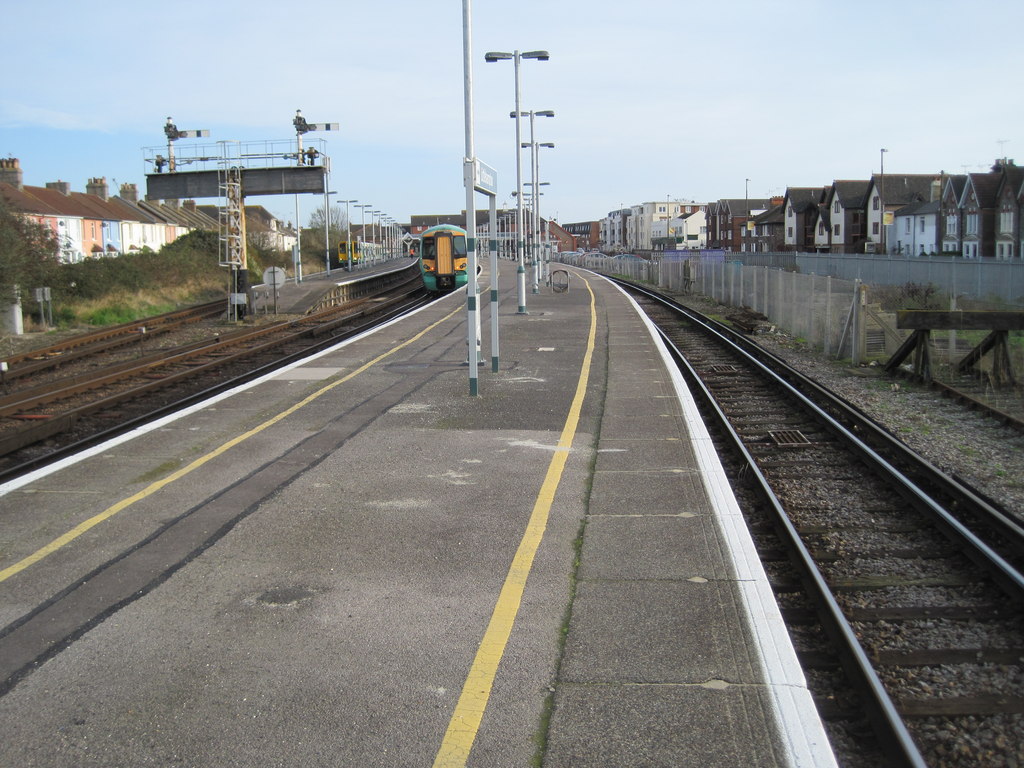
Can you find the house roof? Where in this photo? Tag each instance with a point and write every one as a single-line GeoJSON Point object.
{"type": "Point", "coordinates": [774, 215]}
{"type": "Point", "coordinates": [20, 200]}
{"type": "Point", "coordinates": [902, 189]}
{"type": "Point", "coordinates": [919, 208]}
{"type": "Point", "coordinates": [802, 198]}
{"type": "Point", "coordinates": [851, 194]}
{"type": "Point", "coordinates": [985, 187]}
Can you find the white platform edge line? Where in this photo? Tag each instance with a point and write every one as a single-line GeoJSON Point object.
{"type": "Point", "coordinates": [797, 717]}
{"type": "Point", "coordinates": [20, 482]}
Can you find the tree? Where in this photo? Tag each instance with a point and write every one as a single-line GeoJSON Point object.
{"type": "Point", "coordinates": [28, 253]}
{"type": "Point", "coordinates": [313, 235]}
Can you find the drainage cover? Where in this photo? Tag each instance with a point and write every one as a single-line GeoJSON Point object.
{"type": "Point", "coordinates": [789, 438]}
{"type": "Point", "coordinates": [723, 369]}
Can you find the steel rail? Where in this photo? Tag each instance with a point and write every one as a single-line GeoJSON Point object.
{"type": "Point", "coordinates": [972, 545]}
{"type": "Point", "coordinates": [402, 307]}
{"type": "Point", "coordinates": [889, 727]}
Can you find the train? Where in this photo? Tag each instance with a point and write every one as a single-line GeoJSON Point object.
{"type": "Point", "coordinates": [357, 249]}
{"type": "Point", "coordinates": [442, 252]}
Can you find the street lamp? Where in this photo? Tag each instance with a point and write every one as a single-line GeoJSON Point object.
{"type": "Point", "coordinates": [348, 236]}
{"type": "Point", "coordinates": [533, 174]}
{"type": "Point", "coordinates": [881, 199]}
{"type": "Point", "coordinates": [362, 220]}
{"type": "Point", "coordinates": [515, 56]}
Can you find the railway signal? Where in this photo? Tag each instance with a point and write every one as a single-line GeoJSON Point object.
{"type": "Point", "coordinates": [173, 134]}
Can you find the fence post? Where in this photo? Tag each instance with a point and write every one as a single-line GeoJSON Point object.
{"type": "Point", "coordinates": [828, 315]}
{"type": "Point", "coordinates": [858, 322]}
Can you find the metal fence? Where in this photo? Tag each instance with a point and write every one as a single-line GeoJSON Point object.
{"type": "Point", "coordinates": [812, 307]}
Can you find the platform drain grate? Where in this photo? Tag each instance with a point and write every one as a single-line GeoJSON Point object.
{"type": "Point", "coordinates": [789, 438]}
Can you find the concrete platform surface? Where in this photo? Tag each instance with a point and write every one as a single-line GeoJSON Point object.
{"type": "Point", "coordinates": [354, 562]}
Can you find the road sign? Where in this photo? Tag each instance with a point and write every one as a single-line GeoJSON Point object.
{"type": "Point", "coordinates": [274, 277]}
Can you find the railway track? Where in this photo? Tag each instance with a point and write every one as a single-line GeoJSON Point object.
{"type": "Point", "coordinates": [105, 340]}
{"type": "Point", "coordinates": [902, 587]}
{"type": "Point", "coordinates": [96, 391]}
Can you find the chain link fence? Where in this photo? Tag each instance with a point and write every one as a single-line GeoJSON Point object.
{"type": "Point", "coordinates": [849, 318]}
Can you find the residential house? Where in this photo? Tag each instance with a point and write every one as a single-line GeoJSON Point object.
{"type": "Point", "coordinates": [613, 229]}
{"type": "Point", "coordinates": [1009, 198]}
{"type": "Point", "coordinates": [889, 193]}
{"type": "Point", "coordinates": [846, 201]}
{"type": "Point", "coordinates": [727, 222]}
{"type": "Point", "coordinates": [950, 215]}
{"type": "Point", "coordinates": [800, 210]}
{"type": "Point", "coordinates": [768, 232]}
{"type": "Point", "coordinates": [686, 231]}
{"type": "Point", "coordinates": [978, 213]}
{"type": "Point", "coordinates": [915, 230]}
{"type": "Point", "coordinates": [587, 233]}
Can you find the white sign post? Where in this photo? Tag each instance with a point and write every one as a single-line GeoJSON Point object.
{"type": "Point", "coordinates": [274, 277]}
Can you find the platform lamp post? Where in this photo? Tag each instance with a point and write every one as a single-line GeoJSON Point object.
{"type": "Point", "coordinates": [375, 229]}
{"type": "Point", "coordinates": [881, 198]}
{"type": "Point", "coordinates": [327, 229]}
{"type": "Point", "coordinates": [535, 113]}
{"type": "Point", "coordinates": [348, 236]}
{"type": "Point", "coordinates": [362, 220]}
{"type": "Point", "coordinates": [515, 56]}
{"type": "Point", "coordinates": [540, 241]}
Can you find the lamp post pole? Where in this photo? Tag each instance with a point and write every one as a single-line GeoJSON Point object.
{"type": "Point", "coordinates": [515, 56]}
{"type": "Point", "coordinates": [327, 229]}
{"type": "Point", "coordinates": [362, 221]}
{"type": "Point", "coordinates": [881, 199]}
{"type": "Point", "coordinates": [348, 235]}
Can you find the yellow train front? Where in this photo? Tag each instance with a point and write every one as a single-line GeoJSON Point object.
{"type": "Point", "coordinates": [442, 258]}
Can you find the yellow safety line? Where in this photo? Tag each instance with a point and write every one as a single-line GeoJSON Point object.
{"type": "Point", "coordinates": [469, 711]}
{"type": "Point", "coordinates": [120, 506]}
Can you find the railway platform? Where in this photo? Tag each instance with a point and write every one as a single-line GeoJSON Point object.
{"type": "Point", "coordinates": [354, 562]}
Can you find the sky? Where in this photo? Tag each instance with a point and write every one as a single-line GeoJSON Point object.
{"type": "Point", "coordinates": [655, 100]}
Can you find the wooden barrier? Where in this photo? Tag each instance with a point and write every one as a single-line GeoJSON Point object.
{"type": "Point", "coordinates": [923, 321]}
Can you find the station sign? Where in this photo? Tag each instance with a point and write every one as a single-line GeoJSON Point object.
{"type": "Point", "coordinates": [484, 178]}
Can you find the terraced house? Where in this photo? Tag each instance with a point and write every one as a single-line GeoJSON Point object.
{"type": "Point", "coordinates": [93, 223]}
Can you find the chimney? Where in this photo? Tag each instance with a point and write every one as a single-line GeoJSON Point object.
{"type": "Point", "coordinates": [189, 205]}
{"type": "Point", "coordinates": [63, 187]}
{"type": "Point", "coordinates": [10, 172]}
{"type": "Point", "coordinates": [936, 191]}
{"type": "Point", "coordinates": [129, 193]}
{"type": "Point", "coordinates": [98, 188]}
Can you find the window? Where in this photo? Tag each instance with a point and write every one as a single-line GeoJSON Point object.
{"type": "Point", "coordinates": [874, 203]}
{"type": "Point", "coordinates": [835, 231]}
{"type": "Point", "coordinates": [835, 207]}
{"type": "Point", "coordinates": [789, 212]}
{"type": "Point", "coordinates": [906, 226]}
{"type": "Point", "coordinates": [789, 232]}
{"type": "Point", "coordinates": [921, 220]}
{"type": "Point", "coordinates": [874, 227]}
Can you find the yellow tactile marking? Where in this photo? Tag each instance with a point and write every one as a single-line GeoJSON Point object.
{"type": "Point", "coordinates": [469, 711]}
{"type": "Point", "coordinates": [120, 506]}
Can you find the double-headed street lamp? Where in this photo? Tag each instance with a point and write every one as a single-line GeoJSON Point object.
{"type": "Point", "coordinates": [533, 177]}
{"type": "Point", "coordinates": [362, 221]}
{"type": "Point", "coordinates": [515, 56]}
{"type": "Point", "coordinates": [348, 236]}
